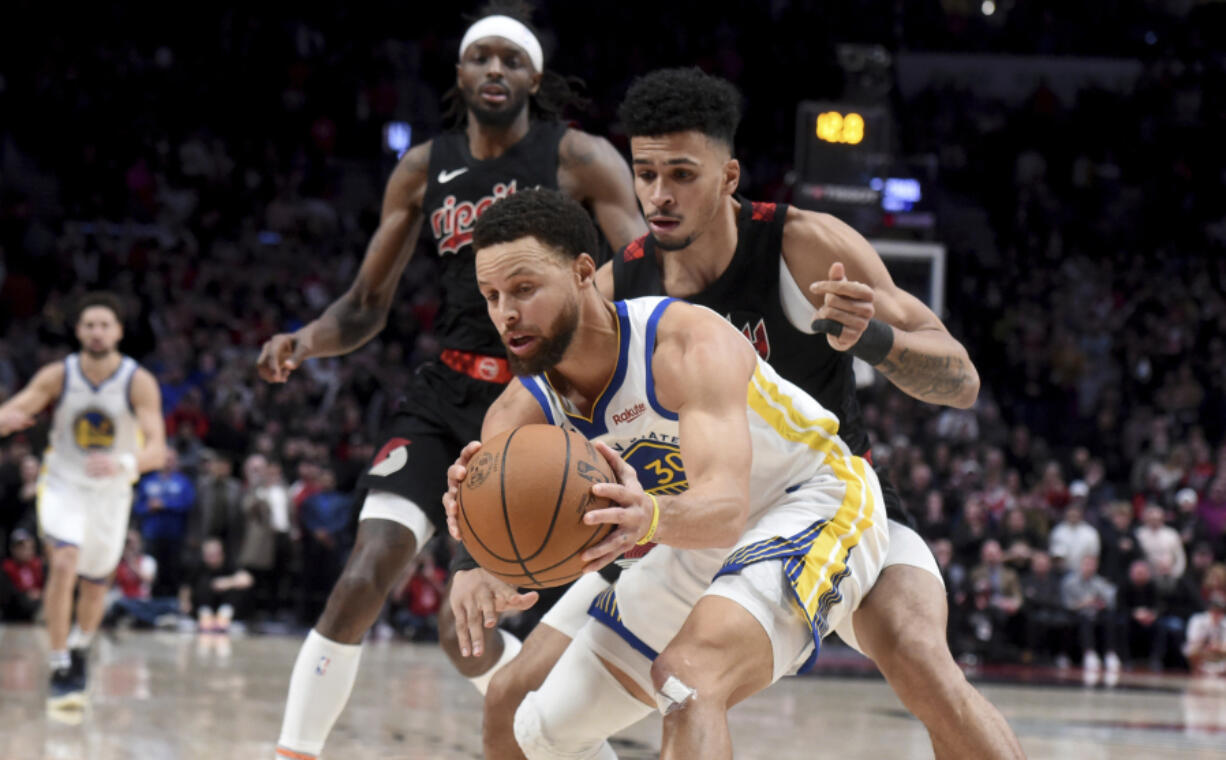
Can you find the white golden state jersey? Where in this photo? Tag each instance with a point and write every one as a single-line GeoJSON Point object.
{"type": "Point", "coordinates": [794, 439]}
{"type": "Point", "coordinates": [92, 418]}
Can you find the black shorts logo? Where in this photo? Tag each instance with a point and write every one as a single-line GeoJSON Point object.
{"type": "Point", "coordinates": [391, 458]}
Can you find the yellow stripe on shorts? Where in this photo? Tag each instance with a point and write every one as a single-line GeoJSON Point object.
{"type": "Point", "coordinates": [825, 564]}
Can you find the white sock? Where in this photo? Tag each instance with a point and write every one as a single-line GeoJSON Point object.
{"type": "Point", "coordinates": [57, 659]}
{"type": "Point", "coordinates": [318, 690]}
{"type": "Point", "coordinates": [78, 639]}
{"type": "Point", "coordinates": [510, 648]}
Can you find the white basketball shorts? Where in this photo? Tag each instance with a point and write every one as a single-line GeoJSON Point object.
{"type": "Point", "coordinates": [95, 520]}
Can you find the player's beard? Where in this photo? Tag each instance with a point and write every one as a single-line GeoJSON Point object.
{"type": "Point", "coordinates": [500, 117]}
{"type": "Point", "coordinates": [550, 349]}
{"type": "Point", "coordinates": [674, 245]}
{"type": "Point", "coordinates": [97, 354]}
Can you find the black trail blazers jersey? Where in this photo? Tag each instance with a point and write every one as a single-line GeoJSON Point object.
{"type": "Point", "coordinates": [460, 188]}
{"type": "Point", "coordinates": [747, 294]}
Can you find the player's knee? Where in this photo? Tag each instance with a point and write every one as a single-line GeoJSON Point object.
{"type": "Point", "coordinates": [678, 678]}
{"type": "Point", "coordinates": [64, 561]}
{"type": "Point", "coordinates": [382, 551]}
{"type": "Point", "coordinates": [541, 738]}
{"type": "Point", "coordinates": [356, 590]}
{"type": "Point", "coordinates": [506, 692]}
{"type": "Point", "coordinates": [919, 656]}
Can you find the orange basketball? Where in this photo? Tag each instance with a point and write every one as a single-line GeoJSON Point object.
{"type": "Point", "coordinates": [521, 505]}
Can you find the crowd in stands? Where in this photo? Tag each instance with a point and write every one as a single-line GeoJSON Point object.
{"type": "Point", "coordinates": [1078, 511]}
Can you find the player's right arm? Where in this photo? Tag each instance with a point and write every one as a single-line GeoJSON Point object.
{"type": "Point", "coordinates": [359, 314]}
{"type": "Point", "coordinates": [853, 291]}
{"type": "Point", "coordinates": [702, 367]}
{"type": "Point", "coordinates": [18, 413]}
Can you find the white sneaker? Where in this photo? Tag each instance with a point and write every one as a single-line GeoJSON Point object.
{"type": "Point", "coordinates": [1092, 662]}
{"type": "Point", "coordinates": [1112, 661]}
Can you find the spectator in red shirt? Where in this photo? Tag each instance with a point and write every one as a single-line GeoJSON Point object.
{"type": "Point", "coordinates": [136, 570]}
{"type": "Point", "coordinates": [189, 412]}
{"type": "Point", "coordinates": [417, 603]}
{"type": "Point", "coordinates": [24, 576]}
{"type": "Point", "coordinates": [134, 577]}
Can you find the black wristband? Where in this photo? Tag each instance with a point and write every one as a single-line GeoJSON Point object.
{"type": "Point", "coordinates": [874, 344]}
{"type": "Point", "coordinates": [462, 560]}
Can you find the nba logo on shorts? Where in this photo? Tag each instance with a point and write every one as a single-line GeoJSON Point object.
{"type": "Point", "coordinates": [321, 668]}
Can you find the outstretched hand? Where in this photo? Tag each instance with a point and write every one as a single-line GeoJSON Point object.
{"type": "Point", "coordinates": [13, 420]}
{"type": "Point", "coordinates": [477, 599]}
{"type": "Point", "coordinates": [846, 310]}
{"type": "Point", "coordinates": [280, 355]}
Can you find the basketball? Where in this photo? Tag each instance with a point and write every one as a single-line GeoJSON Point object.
{"type": "Point", "coordinates": [522, 505]}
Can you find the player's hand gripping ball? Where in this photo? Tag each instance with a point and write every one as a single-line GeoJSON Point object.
{"type": "Point", "coordinates": [521, 505]}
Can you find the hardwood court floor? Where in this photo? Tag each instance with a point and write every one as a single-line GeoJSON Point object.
{"type": "Point", "coordinates": [181, 696]}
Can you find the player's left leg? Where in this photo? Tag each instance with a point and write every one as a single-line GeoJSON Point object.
{"type": "Point", "coordinates": [901, 625]}
{"type": "Point", "coordinates": [787, 584]}
{"type": "Point", "coordinates": [721, 655]}
{"type": "Point", "coordinates": [91, 604]}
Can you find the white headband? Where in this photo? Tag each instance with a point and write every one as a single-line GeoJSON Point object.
{"type": "Point", "coordinates": [510, 30]}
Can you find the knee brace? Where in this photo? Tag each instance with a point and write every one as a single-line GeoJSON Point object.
{"type": "Point", "coordinates": [576, 709]}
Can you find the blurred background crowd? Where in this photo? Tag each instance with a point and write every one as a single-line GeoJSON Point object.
{"type": "Point", "coordinates": [224, 180]}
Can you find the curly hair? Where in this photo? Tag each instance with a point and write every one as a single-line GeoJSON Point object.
{"type": "Point", "coordinates": [547, 215]}
{"type": "Point", "coordinates": [680, 100]}
{"type": "Point", "coordinates": [102, 298]}
{"type": "Point", "coordinates": [552, 98]}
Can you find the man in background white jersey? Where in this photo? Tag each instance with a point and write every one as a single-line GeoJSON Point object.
{"type": "Point", "coordinates": [107, 429]}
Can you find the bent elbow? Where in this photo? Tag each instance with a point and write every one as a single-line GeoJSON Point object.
{"type": "Point", "coordinates": [970, 391]}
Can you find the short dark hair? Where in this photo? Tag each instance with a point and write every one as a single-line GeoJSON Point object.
{"type": "Point", "coordinates": [547, 215]}
{"type": "Point", "coordinates": [99, 298]}
{"type": "Point", "coordinates": [679, 100]}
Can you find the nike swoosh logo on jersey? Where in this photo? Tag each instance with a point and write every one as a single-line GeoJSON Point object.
{"type": "Point", "coordinates": [446, 176]}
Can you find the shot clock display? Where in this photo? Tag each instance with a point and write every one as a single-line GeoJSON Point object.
{"type": "Point", "coordinates": [836, 127]}
{"type": "Point", "coordinates": [841, 143]}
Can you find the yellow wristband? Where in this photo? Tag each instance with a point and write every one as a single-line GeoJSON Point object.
{"type": "Point", "coordinates": [655, 522]}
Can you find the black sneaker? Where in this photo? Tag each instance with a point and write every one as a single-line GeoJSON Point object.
{"type": "Point", "coordinates": [79, 666]}
{"type": "Point", "coordinates": [65, 691]}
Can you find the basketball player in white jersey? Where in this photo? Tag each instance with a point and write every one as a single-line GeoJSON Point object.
{"type": "Point", "coordinates": [789, 523]}
{"type": "Point", "coordinates": [744, 260]}
{"type": "Point", "coordinates": [106, 430]}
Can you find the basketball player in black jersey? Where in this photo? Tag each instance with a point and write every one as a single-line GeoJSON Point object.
{"type": "Point", "coordinates": [750, 262]}
{"type": "Point", "coordinates": [510, 140]}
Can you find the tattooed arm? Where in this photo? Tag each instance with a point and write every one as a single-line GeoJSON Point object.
{"type": "Point", "coordinates": [359, 314]}
{"type": "Point", "coordinates": [851, 286]}
{"type": "Point", "coordinates": [591, 171]}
